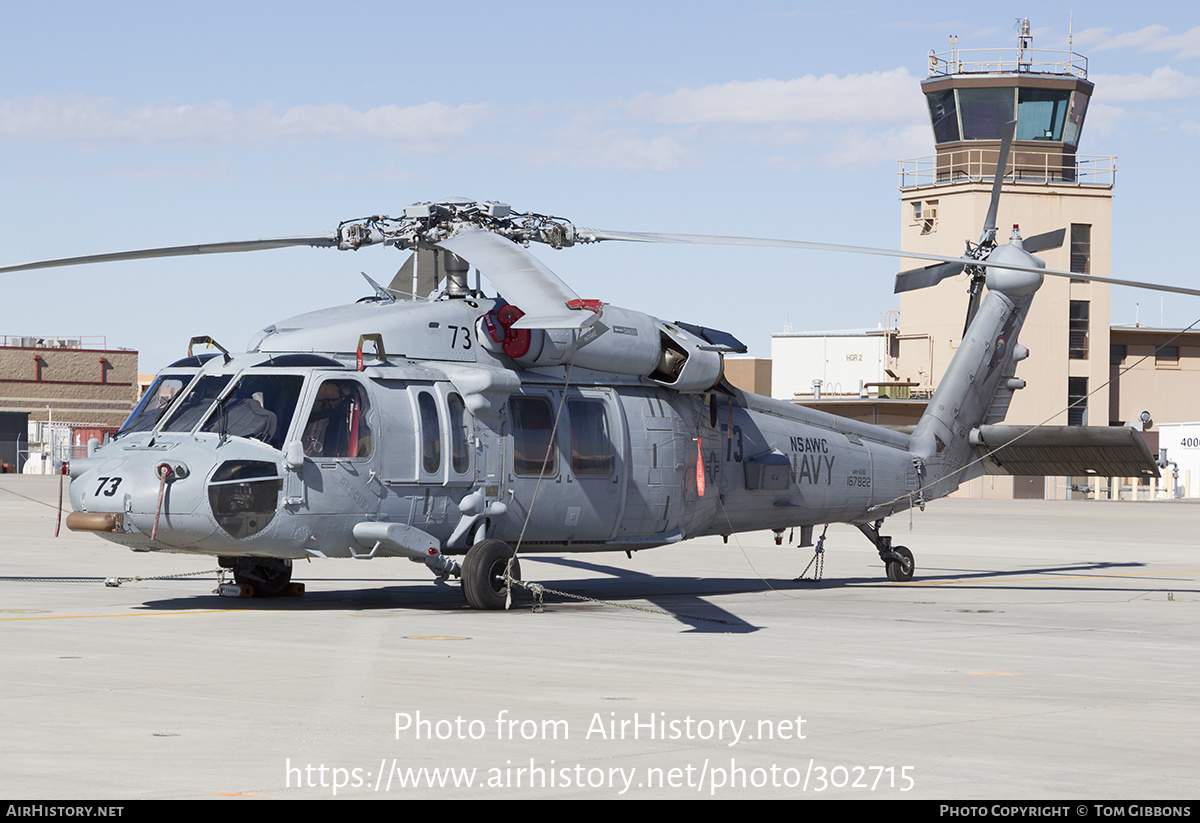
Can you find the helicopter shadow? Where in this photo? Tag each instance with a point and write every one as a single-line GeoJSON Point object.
{"type": "Point", "coordinates": [678, 597]}
{"type": "Point", "coordinates": [686, 599]}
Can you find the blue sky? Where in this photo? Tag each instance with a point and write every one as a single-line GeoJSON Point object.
{"type": "Point", "coordinates": [145, 124]}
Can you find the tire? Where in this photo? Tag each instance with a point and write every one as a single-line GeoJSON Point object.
{"type": "Point", "coordinates": [483, 570]}
{"type": "Point", "coordinates": [901, 571]}
{"type": "Point", "coordinates": [269, 576]}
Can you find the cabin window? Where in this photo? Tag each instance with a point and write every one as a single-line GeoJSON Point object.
{"type": "Point", "coordinates": [534, 452]}
{"type": "Point", "coordinates": [431, 433]}
{"type": "Point", "coordinates": [460, 449]}
{"type": "Point", "coordinates": [260, 408]}
{"type": "Point", "coordinates": [338, 425]}
{"type": "Point", "coordinates": [591, 446]}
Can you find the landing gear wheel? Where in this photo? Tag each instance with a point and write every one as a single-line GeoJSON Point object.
{"type": "Point", "coordinates": [483, 583]}
{"type": "Point", "coordinates": [901, 571]}
{"type": "Point", "coordinates": [269, 576]}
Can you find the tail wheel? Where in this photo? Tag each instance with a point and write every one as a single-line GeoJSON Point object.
{"type": "Point", "coordinates": [483, 570]}
{"type": "Point", "coordinates": [901, 571]}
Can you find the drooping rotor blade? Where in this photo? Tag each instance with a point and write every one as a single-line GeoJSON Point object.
{"type": "Point", "coordinates": [1046, 240]}
{"type": "Point", "coordinates": [989, 222]}
{"type": "Point", "coordinates": [523, 280]}
{"type": "Point", "coordinates": [727, 240]}
{"type": "Point", "coordinates": [320, 240]}
{"type": "Point", "coordinates": [914, 279]}
{"type": "Point", "coordinates": [1113, 281]}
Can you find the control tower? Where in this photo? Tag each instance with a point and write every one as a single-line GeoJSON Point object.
{"type": "Point", "coordinates": [1048, 185]}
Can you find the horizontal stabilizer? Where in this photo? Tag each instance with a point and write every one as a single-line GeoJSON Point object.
{"type": "Point", "coordinates": [1061, 451]}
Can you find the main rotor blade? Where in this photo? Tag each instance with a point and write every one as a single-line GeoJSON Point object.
{"type": "Point", "coordinates": [178, 251]}
{"type": "Point", "coordinates": [726, 240]}
{"type": "Point", "coordinates": [1046, 240]}
{"type": "Point", "coordinates": [523, 280]}
{"type": "Point", "coordinates": [1006, 138]}
{"type": "Point", "coordinates": [925, 277]}
{"type": "Point", "coordinates": [722, 240]}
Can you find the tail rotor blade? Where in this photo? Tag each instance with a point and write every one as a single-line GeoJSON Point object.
{"type": "Point", "coordinates": [925, 277]}
{"type": "Point", "coordinates": [1044, 241]}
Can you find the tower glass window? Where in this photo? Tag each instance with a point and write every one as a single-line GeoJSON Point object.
{"type": "Point", "coordinates": [944, 115]}
{"type": "Point", "coordinates": [1041, 113]}
{"type": "Point", "coordinates": [1075, 118]}
{"type": "Point", "coordinates": [985, 111]}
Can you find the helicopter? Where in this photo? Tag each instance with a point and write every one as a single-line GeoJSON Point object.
{"type": "Point", "coordinates": [461, 430]}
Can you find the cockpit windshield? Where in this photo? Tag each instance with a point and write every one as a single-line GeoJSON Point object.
{"type": "Point", "coordinates": [260, 407]}
{"type": "Point", "coordinates": [196, 403]}
{"type": "Point", "coordinates": [154, 403]}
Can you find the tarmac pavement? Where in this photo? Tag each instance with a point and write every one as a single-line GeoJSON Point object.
{"type": "Point", "coordinates": [1045, 650]}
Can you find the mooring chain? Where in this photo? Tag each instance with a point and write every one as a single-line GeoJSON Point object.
{"type": "Point", "coordinates": [818, 558]}
{"type": "Point", "coordinates": [112, 582]}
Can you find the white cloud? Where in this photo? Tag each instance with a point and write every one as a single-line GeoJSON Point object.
{"type": "Point", "coordinates": [425, 127]}
{"type": "Point", "coordinates": [1140, 39]}
{"type": "Point", "coordinates": [881, 146]}
{"type": "Point", "coordinates": [216, 172]}
{"type": "Point", "coordinates": [618, 149]}
{"type": "Point", "coordinates": [1154, 38]}
{"type": "Point", "coordinates": [891, 96]}
{"type": "Point", "coordinates": [1164, 83]}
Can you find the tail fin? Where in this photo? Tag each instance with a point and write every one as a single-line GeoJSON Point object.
{"type": "Point", "coordinates": [979, 383]}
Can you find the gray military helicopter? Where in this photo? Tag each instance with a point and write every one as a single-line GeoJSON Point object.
{"type": "Point", "coordinates": [459, 425]}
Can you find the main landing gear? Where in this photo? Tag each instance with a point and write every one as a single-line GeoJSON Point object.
{"type": "Point", "coordinates": [259, 577]}
{"type": "Point", "coordinates": [898, 559]}
{"type": "Point", "coordinates": [486, 574]}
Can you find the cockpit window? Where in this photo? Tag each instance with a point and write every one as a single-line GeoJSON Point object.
{"type": "Point", "coordinates": [260, 407]}
{"type": "Point", "coordinates": [196, 403]}
{"type": "Point", "coordinates": [155, 402]}
{"type": "Point", "coordinates": [338, 425]}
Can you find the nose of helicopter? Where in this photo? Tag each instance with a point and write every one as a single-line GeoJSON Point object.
{"type": "Point", "coordinates": [175, 495]}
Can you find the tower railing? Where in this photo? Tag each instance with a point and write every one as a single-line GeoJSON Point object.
{"type": "Point", "coordinates": [979, 165]}
{"type": "Point", "coordinates": [1006, 61]}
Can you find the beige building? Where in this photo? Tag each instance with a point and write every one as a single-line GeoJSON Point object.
{"type": "Point", "coordinates": [1156, 371]}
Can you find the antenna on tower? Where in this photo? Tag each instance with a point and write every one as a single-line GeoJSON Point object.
{"type": "Point", "coordinates": [1025, 39]}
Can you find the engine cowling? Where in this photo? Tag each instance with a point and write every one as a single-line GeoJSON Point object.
{"type": "Point", "coordinates": [621, 341]}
